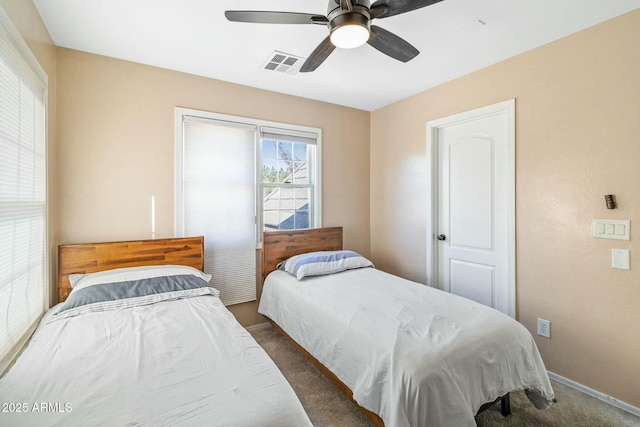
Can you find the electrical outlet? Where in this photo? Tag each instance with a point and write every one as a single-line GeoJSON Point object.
{"type": "Point", "coordinates": [544, 328]}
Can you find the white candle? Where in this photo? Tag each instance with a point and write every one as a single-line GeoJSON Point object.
{"type": "Point", "coordinates": [153, 217]}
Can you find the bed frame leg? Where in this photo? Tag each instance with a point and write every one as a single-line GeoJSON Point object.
{"type": "Point", "coordinates": [505, 405]}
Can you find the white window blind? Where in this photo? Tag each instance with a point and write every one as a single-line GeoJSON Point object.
{"type": "Point", "coordinates": [23, 209]}
{"type": "Point", "coordinates": [218, 195]}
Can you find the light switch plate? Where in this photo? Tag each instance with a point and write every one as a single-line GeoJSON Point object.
{"type": "Point", "coordinates": [616, 229]}
{"type": "Point", "coordinates": [620, 258]}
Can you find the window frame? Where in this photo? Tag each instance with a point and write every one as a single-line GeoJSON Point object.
{"type": "Point", "coordinates": [315, 212]}
{"type": "Point", "coordinates": [25, 63]}
{"type": "Point", "coordinates": [312, 166]}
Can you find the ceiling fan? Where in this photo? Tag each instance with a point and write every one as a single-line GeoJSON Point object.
{"type": "Point", "coordinates": [349, 23]}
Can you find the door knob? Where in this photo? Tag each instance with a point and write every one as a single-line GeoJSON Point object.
{"type": "Point", "coordinates": [442, 237]}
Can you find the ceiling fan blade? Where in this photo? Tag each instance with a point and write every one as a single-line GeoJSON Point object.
{"type": "Point", "coordinates": [392, 45]}
{"type": "Point", "coordinates": [386, 8]}
{"type": "Point", "coordinates": [265, 17]}
{"type": "Point", "coordinates": [318, 56]}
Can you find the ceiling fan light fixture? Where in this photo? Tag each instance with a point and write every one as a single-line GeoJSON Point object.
{"type": "Point", "coordinates": [349, 30]}
{"type": "Point", "coordinates": [350, 36]}
{"type": "Point", "coordinates": [349, 23]}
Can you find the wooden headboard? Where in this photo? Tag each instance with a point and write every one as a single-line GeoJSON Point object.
{"type": "Point", "coordinates": [280, 245]}
{"type": "Point", "coordinates": [91, 257]}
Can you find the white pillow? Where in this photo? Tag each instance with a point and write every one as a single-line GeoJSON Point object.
{"type": "Point", "coordinates": [79, 281]}
{"type": "Point", "coordinates": [323, 262]}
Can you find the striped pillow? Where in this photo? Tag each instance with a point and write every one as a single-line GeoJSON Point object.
{"type": "Point", "coordinates": [323, 262]}
{"type": "Point", "coordinates": [97, 297]}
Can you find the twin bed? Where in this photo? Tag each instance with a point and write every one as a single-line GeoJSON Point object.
{"type": "Point", "coordinates": [171, 358]}
{"type": "Point", "coordinates": [154, 345]}
{"type": "Point", "coordinates": [407, 354]}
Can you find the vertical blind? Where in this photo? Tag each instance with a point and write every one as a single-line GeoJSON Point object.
{"type": "Point", "coordinates": [23, 209]}
{"type": "Point", "coordinates": [219, 202]}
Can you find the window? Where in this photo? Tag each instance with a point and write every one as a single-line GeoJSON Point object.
{"type": "Point", "coordinates": [236, 177]}
{"type": "Point", "coordinates": [23, 207]}
{"type": "Point", "coordinates": [288, 184]}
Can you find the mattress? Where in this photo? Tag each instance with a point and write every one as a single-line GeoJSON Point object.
{"type": "Point", "coordinates": [184, 362]}
{"type": "Point", "coordinates": [414, 355]}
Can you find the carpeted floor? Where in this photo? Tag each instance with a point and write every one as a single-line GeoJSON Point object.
{"type": "Point", "coordinates": [328, 407]}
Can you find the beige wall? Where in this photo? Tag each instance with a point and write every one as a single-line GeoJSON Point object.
{"type": "Point", "coordinates": [577, 139]}
{"type": "Point", "coordinates": [116, 148]}
{"type": "Point", "coordinates": [26, 19]}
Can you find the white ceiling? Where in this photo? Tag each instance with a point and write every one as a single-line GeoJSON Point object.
{"type": "Point", "coordinates": [455, 37]}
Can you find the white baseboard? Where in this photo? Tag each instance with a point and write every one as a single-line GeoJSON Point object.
{"type": "Point", "coordinates": [258, 326]}
{"type": "Point", "coordinates": [594, 393]}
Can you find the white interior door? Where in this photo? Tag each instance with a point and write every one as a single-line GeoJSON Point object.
{"type": "Point", "coordinates": [472, 232]}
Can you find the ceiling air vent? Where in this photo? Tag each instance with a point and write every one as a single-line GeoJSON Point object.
{"type": "Point", "coordinates": [283, 63]}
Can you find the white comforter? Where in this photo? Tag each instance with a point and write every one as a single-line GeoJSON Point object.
{"type": "Point", "coordinates": [415, 355]}
{"type": "Point", "coordinates": [174, 363]}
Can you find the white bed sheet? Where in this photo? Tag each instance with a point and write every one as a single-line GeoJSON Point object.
{"type": "Point", "coordinates": [414, 355]}
{"type": "Point", "coordinates": [185, 362]}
